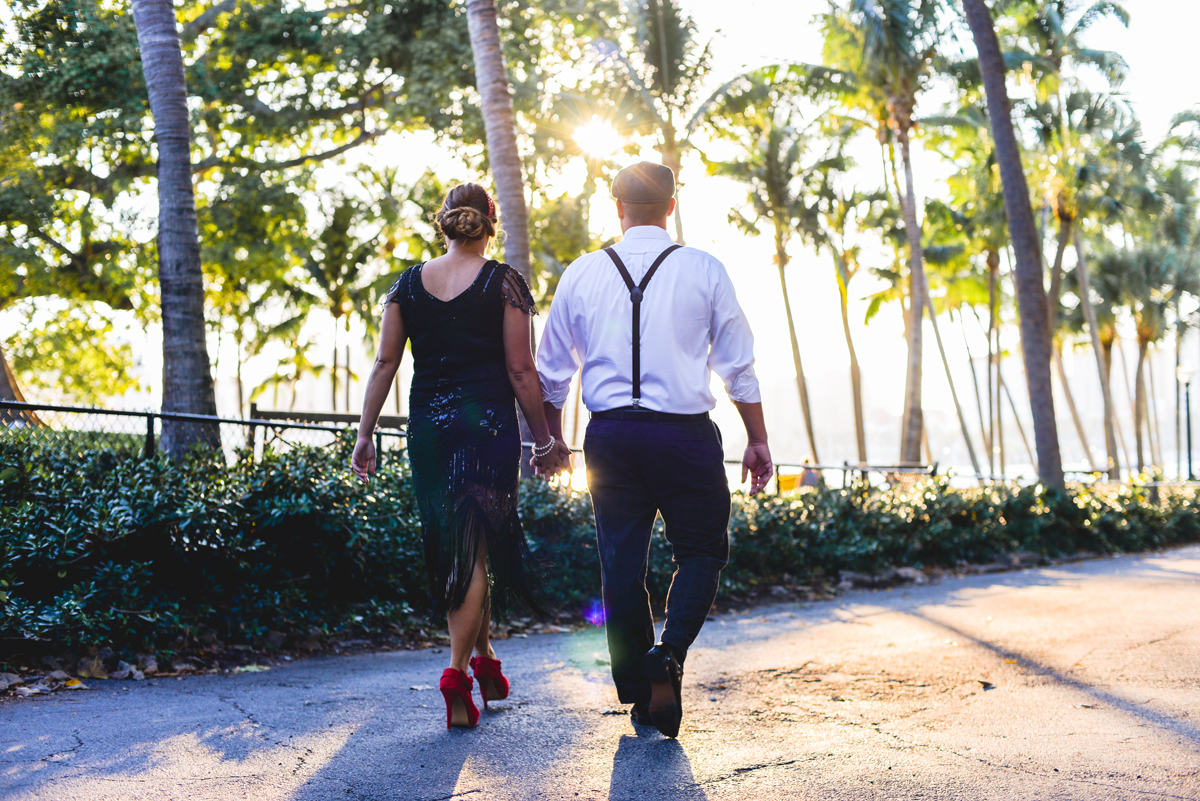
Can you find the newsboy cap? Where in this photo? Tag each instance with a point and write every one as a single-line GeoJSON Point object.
{"type": "Point", "coordinates": [644, 182]}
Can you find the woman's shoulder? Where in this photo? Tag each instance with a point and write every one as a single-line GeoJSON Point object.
{"type": "Point", "coordinates": [513, 287]}
{"type": "Point", "coordinates": [401, 291]}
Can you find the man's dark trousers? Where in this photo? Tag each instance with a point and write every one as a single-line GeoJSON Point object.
{"type": "Point", "coordinates": [635, 470]}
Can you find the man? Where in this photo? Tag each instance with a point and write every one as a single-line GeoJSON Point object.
{"type": "Point", "coordinates": [648, 321]}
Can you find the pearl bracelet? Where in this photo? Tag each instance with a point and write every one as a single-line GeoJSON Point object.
{"type": "Point", "coordinates": [544, 451]}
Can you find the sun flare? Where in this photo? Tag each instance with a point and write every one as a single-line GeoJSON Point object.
{"type": "Point", "coordinates": [598, 138]}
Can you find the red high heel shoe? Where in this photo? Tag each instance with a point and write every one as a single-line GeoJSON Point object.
{"type": "Point", "coordinates": [460, 709]}
{"type": "Point", "coordinates": [492, 684]}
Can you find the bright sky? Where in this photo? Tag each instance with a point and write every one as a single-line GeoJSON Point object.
{"type": "Point", "coordinates": [1160, 49]}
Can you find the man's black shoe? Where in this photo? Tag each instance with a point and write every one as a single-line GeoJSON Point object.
{"type": "Point", "coordinates": [640, 714]}
{"type": "Point", "coordinates": [663, 670]}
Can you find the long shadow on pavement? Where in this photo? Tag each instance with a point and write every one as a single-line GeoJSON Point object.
{"type": "Point", "coordinates": [652, 767]}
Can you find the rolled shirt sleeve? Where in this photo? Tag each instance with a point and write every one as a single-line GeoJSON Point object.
{"type": "Point", "coordinates": [557, 357]}
{"type": "Point", "coordinates": [731, 355]}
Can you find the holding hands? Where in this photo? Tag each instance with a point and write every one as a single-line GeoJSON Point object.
{"type": "Point", "coordinates": [551, 459]}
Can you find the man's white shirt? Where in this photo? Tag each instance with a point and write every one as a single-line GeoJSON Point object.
{"type": "Point", "coordinates": [691, 326]}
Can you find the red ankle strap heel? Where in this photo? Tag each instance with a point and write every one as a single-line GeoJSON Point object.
{"type": "Point", "coordinates": [492, 684]}
{"type": "Point", "coordinates": [460, 709]}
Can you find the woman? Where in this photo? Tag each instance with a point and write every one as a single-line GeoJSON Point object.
{"type": "Point", "coordinates": [468, 319]}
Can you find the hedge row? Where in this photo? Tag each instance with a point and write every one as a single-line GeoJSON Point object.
{"type": "Point", "coordinates": [100, 547]}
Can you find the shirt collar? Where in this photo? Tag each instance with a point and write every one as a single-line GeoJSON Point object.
{"type": "Point", "coordinates": [646, 232]}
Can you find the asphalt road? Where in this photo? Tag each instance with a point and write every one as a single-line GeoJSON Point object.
{"type": "Point", "coordinates": [1092, 668]}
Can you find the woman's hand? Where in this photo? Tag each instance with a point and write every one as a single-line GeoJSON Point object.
{"type": "Point", "coordinates": [363, 460]}
{"type": "Point", "coordinates": [554, 463]}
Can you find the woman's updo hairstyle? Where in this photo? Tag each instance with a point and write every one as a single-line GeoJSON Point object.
{"type": "Point", "coordinates": [467, 213]}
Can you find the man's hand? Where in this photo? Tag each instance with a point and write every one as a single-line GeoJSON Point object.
{"type": "Point", "coordinates": [756, 462]}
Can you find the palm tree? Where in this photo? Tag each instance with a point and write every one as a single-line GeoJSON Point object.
{"type": "Point", "coordinates": [289, 372]}
{"type": "Point", "coordinates": [664, 79]}
{"type": "Point", "coordinates": [841, 212]}
{"type": "Point", "coordinates": [758, 115]}
{"type": "Point", "coordinates": [187, 377]}
{"type": "Point", "coordinates": [977, 220]}
{"type": "Point", "coordinates": [500, 129]}
{"type": "Point", "coordinates": [1047, 38]}
{"type": "Point", "coordinates": [336, 262]}
{"type": "Point", "coordinates": [883, 52]}
{"type": "Point", "coordinates": [1146, 274]}
{"type": "Point", "coordinates": [1031, 297]}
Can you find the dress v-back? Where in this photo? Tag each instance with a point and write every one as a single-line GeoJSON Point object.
{"type": "Point", "coordinates": [464, 443]}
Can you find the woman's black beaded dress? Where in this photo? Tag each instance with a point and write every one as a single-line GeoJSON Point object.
{"type": "Point", "coordinates": [463, 440]}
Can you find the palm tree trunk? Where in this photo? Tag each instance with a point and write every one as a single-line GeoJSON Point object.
{"type": "Point", "coordinates": [1089, 316]}
{"type": "Point", "coordinates": [187, 374]}
{"type": "Point", "coordinates": [1031, 297]}
{"type": "Point", "coordinates": [962, 418]}
{"type": "Point", "coordinates": [499, 125]}
{"type": "Point", "coordinates": [672, 159]}
{"type": "Point", "coordinates": [1178, 406]}
{"type": "Point", "coordinates": [910, 443]}
{"type": "Point", "coordinates": [1125, 382]}
{"type": "Point", "coordinates": [983, 429]}
{"type": "Point", "coordinates": [333, 373]}
{"type": "Point", "coordinates": [238, 372]}
{"type": "Point", "coordinates": [1139, 404]}
{"type": "Point", "coordinates": [1152, 415]}
{"type": "Point", "coordinates": [1020, 428]}
{"type": "Point", "coordinates": [1062, 378]}
{"type": "Point", "coordinates": [1107, 345]}
{"type": "Point", "coordinates": [10, 390]}
{"type": "Point", "coordinates": [781, 260]}
{"type": "Point", "coordinates": [1056, 272]}
{"type": "Point", "coordinates": [347, 363]}
{"type": "Point", "coordinates": [860, 432]}
{"type": "Point", "coordinates": [993, 263]}
{"type": "Point", "coordinates": [1000, 419]}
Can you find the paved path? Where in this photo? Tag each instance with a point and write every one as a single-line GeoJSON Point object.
{"type": "Point", "coordinates": [877, 695]}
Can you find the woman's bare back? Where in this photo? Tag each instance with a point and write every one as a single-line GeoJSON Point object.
{"type": "Point", "coordinates": [446, 277]}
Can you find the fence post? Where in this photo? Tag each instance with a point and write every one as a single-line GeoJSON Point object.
{"type": "Point", "coordinates": [251, 427]}
{"type": "Point", "coordinates": [149, 449]}
{"type": "Point", "coordinates": [378, 449]}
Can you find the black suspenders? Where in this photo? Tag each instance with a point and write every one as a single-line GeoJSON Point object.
{"type": "Point", "coordinates": [635, 294]}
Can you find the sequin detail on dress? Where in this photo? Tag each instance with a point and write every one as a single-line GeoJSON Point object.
{"type": "Point", "coordinates": [463, 441]}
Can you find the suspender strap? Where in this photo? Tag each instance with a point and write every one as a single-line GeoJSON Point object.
{"type": "Point", "coordinates": [635, 294]}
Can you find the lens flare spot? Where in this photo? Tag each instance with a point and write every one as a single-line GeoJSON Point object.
{"type": "Point", "coordinates": [598, 137]}
{"type": "Point", "coordinates": [594, 614]}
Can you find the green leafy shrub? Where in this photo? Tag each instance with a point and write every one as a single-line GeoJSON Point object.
{"type": "Point", "coordinates": [101, 546]}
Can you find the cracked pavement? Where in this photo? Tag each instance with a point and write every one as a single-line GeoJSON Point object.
{"type": "Point", "coordinates": [1076, 681]}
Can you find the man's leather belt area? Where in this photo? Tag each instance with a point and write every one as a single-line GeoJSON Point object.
{"type": "Point", "coordinates": [648, 416]}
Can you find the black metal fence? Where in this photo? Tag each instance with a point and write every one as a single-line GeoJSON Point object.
{"type": "Point", "coordinates": [141, 432]}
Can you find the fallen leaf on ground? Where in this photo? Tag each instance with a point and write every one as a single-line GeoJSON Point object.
{"type": "Point", "coordinates": [91, 667]}
{"type": "Point", "coordinates": [987, 685]}
{"type": "Point", "coordinates": [1086, 706]}
{"type": "Point", "coordinates": [253, 669]}
{"type": "Point", "coordinates": [75, 684]}
{"type": "Point", "coordinates": [1010, 661]}
{"type": "Point", "coordinates": [421, 687]}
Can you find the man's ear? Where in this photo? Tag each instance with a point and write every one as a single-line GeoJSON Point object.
{"type": "Point", "coordinates": [671, 208]}
{"type": "Point", "coordinates": [620, 211]}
